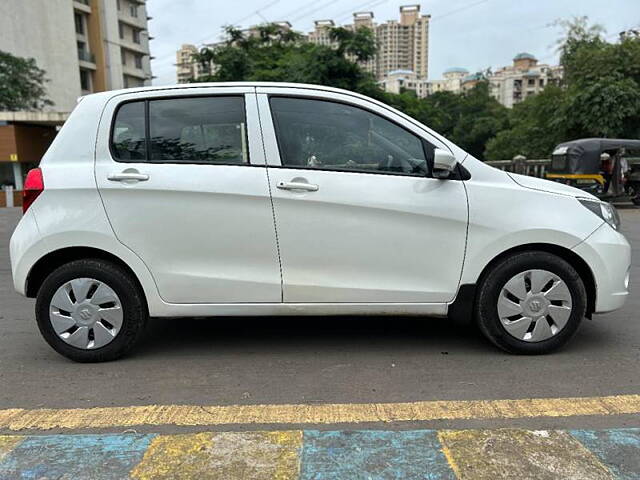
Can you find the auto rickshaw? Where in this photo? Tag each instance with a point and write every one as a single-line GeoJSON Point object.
{"type": "Point", "coordinates": [597, 165]}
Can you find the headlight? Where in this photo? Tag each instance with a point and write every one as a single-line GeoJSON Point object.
{"type": "Point", "coordinates": [604, 210]}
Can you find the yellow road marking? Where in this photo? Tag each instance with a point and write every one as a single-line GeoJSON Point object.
{"type": "Point", "coordinates": [255, 455]}
{"type": "Point", "coordinates": [543, 455]}
{"type": "Point", "coordinates": [190, 415]}
{"type": "Point", "coordinates": [449, 456]}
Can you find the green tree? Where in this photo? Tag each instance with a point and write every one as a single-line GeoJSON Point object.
{"type": "Point", "coordinates": [599, 96]}
{"type": "Point", "coordinates": [359, 43]}
{"type": "Point", "coordinates": [603, 87]}
{"type": "Point", "coordinates": [279, 55]}
{"type": "Point", "coordinates": [480, 118]}
{"type": "Point", "coordinates": [469, 119]}
{"type": "Point", "coordinates": [21, 84]}
{"type": "Point", "coordinates": [536, 126]}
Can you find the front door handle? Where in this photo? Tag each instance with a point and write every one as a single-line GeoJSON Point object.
{"type": "Point", "coordinates": [126, 176]}
{"type": "Point", "coordinates": [307, 187]}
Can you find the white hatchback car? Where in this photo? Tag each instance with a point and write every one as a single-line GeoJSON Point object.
{"type": "Point", "coordinates": [284, 199]}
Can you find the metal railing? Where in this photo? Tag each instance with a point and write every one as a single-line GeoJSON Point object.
{"type": "Point", "coordinates": [535, 167]}
{"type": "Point", "coordinates": [86, 56]}
{"type": "Point", "coordinates": [523, 166]}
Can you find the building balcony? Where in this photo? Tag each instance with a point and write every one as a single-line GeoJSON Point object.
{"type": "Point", "coordinates": [138, 22]}
{"type": "Point", "coordinates": [135, 72]}
{"type": "Point", "coordinates": [86, 56]}
{"type": "Point", "coordinates": [87, 59]}
{"type": "Point", "coordinates": [82, 6]}
{"type": "Point", "coordinates": [134, 47]}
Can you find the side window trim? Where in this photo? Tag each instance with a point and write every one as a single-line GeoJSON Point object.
{"type": "Point", "coordinates": [147, 129]}
{"type": "Point", "coordinates": [424, 142]}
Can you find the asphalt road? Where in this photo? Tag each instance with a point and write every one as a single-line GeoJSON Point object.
{"type": "Point", "coordinates": [228, 361]}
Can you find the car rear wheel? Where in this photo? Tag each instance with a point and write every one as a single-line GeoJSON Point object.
{"type": "Point", "coordinates": [531, 303]}
{"type": "Point", "coordinates": [91, 310]}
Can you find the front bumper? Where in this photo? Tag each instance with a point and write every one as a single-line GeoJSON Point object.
{"type": "Point", "coordinates": [608, 254]}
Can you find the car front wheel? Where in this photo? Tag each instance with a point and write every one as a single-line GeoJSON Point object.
{"type": "Point", "coordinates": [91, 310]}
{"type": "Point", "coordinates": [531, 303]}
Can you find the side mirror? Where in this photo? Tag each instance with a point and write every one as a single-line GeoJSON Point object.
{"type": "Point", "coordinates": [444, 163]}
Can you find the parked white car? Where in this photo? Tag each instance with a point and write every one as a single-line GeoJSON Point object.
{"type": "Point", "coordinates": [284, 199]}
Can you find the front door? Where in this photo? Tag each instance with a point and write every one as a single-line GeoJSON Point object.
{"type": "Point", "coordinates": [359, 219]}
{"type": "Point", "coordinates": [185, 187]}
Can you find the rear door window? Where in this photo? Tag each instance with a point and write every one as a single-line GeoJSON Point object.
{"type": "Point", "coordinates": [128, 137]}
{"type": "Point", "coordinates": [203, 130]}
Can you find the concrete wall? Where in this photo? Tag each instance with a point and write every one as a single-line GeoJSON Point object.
{"type": "Point", "coordinates": [44, 30]}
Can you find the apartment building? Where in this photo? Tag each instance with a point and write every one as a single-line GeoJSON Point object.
{"type": "Point", "coordinates": [84, 46]}
{"type": "Point", "coordinates": [512, 84]}
{"type": "Point", "coordinates": [401, 80]}
{"type": "Point", "coordinates": [188, 69]}
{"type": "Point", "coordinates": [470, 81]}
{"type": "Point", "coordinates": [402, 44]}
{"type": "Point", "coordinates": [321, 32]}
{"type": "Point", "coordinates": [451, 81]}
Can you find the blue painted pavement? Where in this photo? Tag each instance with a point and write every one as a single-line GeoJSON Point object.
{"type": "Point", "coordinates": [618, 449]}
{"type": "Point", "coordinates": [75, 457]}
{"type": "Point", "coordinates": [373, 455]}
{"type": "Point", "coordinates": [323, 455]}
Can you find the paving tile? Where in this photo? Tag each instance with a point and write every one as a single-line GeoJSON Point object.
{"type": "Point", "coordinates": [225, 455]}
{"type": "Point", "coordinates": [619, 449]}
{"type": "Point", "coordinates": [74, 457]}
{"type": "Point", "coordinates": [373, 455]}
{"type": "Point", "coordinates": [520, 454]}
{"type": "Point", "coordinates": [8, 443]}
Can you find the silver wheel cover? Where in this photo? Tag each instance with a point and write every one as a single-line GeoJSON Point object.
{"type": "Point", "coordinates": [534, 305]}
{"type": "Point", "coordinates": [86, 313]}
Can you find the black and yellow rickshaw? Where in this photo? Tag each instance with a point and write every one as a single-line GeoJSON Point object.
{"type": "Point", "coordinates": [597, 165]}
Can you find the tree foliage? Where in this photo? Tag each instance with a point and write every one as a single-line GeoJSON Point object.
{"type": "Point", "coordinates": [469, 119]}
{"type": "Point", "coordinates": [21, 84]}
{"type": "Point", "coordinates": [278, 55]}
{"type": "Point", "coordinates": [599, 96]}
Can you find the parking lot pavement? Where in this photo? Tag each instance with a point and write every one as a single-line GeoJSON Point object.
{"type": "Point", "coordinates": [341, 396]}
{"type": "Point", "coordinates": [314, 454]}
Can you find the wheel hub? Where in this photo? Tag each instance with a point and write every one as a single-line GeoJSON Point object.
{"type": "Point", "coordinates": [86, 313]}
{"type": "Point", "coordinates": [534, 305]}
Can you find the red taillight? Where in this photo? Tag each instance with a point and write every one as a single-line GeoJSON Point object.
{"type": "Point", "coordinates": [33, 186]}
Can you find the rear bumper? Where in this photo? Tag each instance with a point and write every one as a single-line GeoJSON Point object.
{"type": "Point", "coordinates": [24, 248]}
{"type": "Point", "coordinates": [608, 254]}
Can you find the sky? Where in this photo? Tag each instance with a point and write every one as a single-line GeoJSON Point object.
{"type": "Point", "coordinates": [474, 34]}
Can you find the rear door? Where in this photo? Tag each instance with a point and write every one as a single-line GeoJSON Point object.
{"type": "Point", "coordinates": [184, 184]}
{"type": "Point", "coordinates": [359, 218]}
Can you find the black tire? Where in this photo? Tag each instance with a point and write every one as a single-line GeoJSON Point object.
{"type": "Point", "coordinates": [491, 285]}
{"type": "Point", "coordinates": [131, 297]}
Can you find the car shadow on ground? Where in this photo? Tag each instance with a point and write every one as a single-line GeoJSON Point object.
{"type": "Point", "coordinates": [438, 335]}
{"type": "Point", "coordinates": [353, 331]}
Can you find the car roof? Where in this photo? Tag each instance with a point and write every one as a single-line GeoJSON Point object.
{"type": "Point", "coordinates": [187, 86]}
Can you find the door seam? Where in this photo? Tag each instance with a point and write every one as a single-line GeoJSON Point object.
{"type": "Point", "coordinates": [273, 210]}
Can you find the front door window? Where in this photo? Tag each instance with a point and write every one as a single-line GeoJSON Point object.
{"type": "Point", "coordinates": [333, 136]}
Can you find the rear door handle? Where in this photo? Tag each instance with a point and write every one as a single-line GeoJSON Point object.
{"type": "Point", "coordinates": [124, 176]}
{"type": "Point", "coordinates": [307, 187]}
